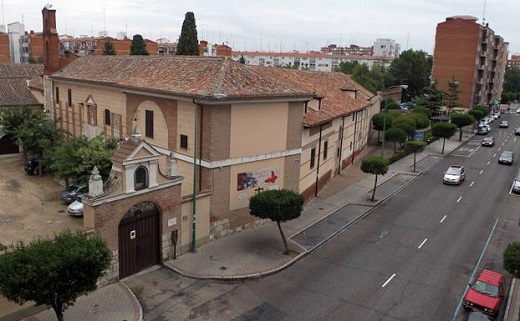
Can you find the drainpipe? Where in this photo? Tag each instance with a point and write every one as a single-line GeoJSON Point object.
{"type": "Point", "coordinates": [318, 168]}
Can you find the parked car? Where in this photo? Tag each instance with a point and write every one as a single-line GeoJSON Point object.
{"type": "Point", "coordinates": [503, 124]}
{"type": "Point", "coordinates": [76, 208]}
{"type": "Point", "coordinates": [506, 157]}
{"type": "Point", "coordinates": [517, 131]}
{"type": "Point", "coordinates": [488, 141]}
{"type": "Point", "coordinates": [72, 192]}
{"type": "Point", "coordinates": [486, 293]}
{"type": "Point", "coordinates": [516, 183]}
{"type": "Point", "coordinates": [34, 165]}
{"type": "Point", "coordinates": [483, 130]}
{"type": "Point", "coordinates": [454, 175]}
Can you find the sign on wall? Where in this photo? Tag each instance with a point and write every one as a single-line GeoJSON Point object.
{"type": "Point", "coordinates": [257, 179]}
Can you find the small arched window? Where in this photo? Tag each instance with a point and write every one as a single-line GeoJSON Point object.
{"type": "Point", "coordinates": [141, 178]}
{"type": "Point", "coordinates": [107, 117]}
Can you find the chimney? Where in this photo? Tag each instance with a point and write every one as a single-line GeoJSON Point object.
{"type": "Point", "coordinates": [51, 42]}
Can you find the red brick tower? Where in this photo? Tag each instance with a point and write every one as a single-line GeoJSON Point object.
{"type": "Point", "coordinates": [51, 42]}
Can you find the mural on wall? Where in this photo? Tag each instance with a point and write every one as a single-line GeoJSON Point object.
{"type": "Point", "coordinates": [257, 179]}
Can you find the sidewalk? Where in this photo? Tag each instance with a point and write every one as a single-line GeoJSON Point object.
{"type": "Point", "coordinates": [258, 252]}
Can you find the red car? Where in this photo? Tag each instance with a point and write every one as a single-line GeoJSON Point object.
{"type": "Point", "coordinates": [486, 293]}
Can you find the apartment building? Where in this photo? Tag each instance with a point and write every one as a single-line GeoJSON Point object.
{"type": "Point", "coordinates": [474, 56]}
{"type": "Point", "coordinates": [313, 61]}
{"type": "Point", "coordinates": [513, 62]}
{"type": "Point", "coordinates": [87, 46]}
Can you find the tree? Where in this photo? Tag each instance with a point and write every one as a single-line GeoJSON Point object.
{"type": "Point", "coordinates": [452, 95]}
{"type": "Point", "coordinates": [372, 79]}
{"type": "Point", "coordinates": [108, 49]}
{"type": "Point", "coordinates": [512, 259]}
{"type": "Point", "coordinates": [478, 114]}
{"type": "Point", "coordinates": [414, 146]}
{"type": "Point", "coordinates": [138, 46]}
{"type": "Point", "coordinates": [374, 165]}
{"type": "Point", "coordinates": [378, 121]}
{"type": "Point", "coordinates": [461, 120]}
{"type": "Point", "coordinates": [431, 98]}
{"type": "Point", "coordinates": [188, 44]}
{"type": "Point", "coordinates": [389, 103]}
{"type": "Point", "coordinates": [242, 60]}
{"type": "Point", "coordinates": [396, 135]}
{"type": "Point", "coordinates": [405, 123]}
{"type": "Point", "coordinates": [412, 68]}
{"type": "Point", "coordinates": [31, 129]}
{"type": "Point", "coordinates": [53, 272]}
{"type": "Point", "coordinates": [512, 80]}
{"type": "Point", "coordinates": [421, 120]}
{"type": "Point", "coordinates": [75, 158]}
{"type": "Point", "coordinates": [443, 130]}
{"type": "Point", "coordinates": [423, 110]}
{"type": "Point", "coordinates": [278, 206]}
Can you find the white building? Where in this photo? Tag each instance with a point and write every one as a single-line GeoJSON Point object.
{"type": "Point", "coordinates": [386, 48]}
{"type": "Point", "coordinates": [314, 61]}
{"type": "Point", "coordinates": [15, 30]}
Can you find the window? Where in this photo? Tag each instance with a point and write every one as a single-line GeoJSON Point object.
{"type": "Point", "coordinates": [57, 94]}
{"type": "Point", "coordinates": [107, 117]}
{"type": "Point", "coordinates": [141, 178]}
{"type": "Point", "coordinates": [184, 141]}
{"type": "Point", "coordinates": [149, 123]}
{"type": "Point", "coordinates": [325, 149]}
{"type": "Point", "coordinates": [313, 157]}
{"type": "Point", "coordinates": [69, 97]}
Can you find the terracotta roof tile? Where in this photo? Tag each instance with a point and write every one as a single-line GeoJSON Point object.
{"type": "Point", "coordinates": [184, 76]}
{"type": "Point", "coordinates": [14, 87]}
{"type": "Point", "coordinates": [334, 88]}
{"type": "Point", "coordinates": [125, 149]}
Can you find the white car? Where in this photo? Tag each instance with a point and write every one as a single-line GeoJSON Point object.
{"type": "Point", "coordinates": [75, 208]}
{"type": "Point", "coordinates": [454, 175]}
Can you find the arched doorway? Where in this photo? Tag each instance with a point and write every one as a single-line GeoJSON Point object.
{"type": "Point", "coordinates": [139, 239]}
{"type": "Point", "coordinates": [7, 145]}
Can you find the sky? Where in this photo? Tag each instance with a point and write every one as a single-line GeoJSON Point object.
{"type": "Point", "coordinates": [267, 25]}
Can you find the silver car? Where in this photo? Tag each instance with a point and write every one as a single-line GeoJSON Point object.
{"type": "Point", "coordinates": [455, 175]}
{"type": "Point", "coordinates": [516, 183]}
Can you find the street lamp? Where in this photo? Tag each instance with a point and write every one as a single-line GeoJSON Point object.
{"type": "Point", "coordinates": [385, 118]}
{"type": "Point", "coordinates": [196, 102]}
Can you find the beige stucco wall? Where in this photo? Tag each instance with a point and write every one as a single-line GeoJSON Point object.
{"type": "Point", "coordinates": [160, 128]}
{"type": "Point", "coordinates": [202, 222]}
{"type": "Point", "coordinates": [258, 129]}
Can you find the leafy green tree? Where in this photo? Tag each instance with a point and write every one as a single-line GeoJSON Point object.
{"type": "Point", "coordinates": [372, 79]}
{"type": "Point", "coordinates": [443, 130]}
{"type": "Point", "coordinates": [108, 49]}
{"type": "Point", "coordinates": [512, 80]}
{"type": "Point", "coordinates": [278, 206]}
{"type": "Point", "coordinates": [431, 98]}
{"type": "Point", "coordinates": [412, 68]}
{"type": "Point", "coordinates": [138, 46]}
{"type": "Point", "coordinates": [390, 104]}
{"type": "Point", "coordinates": [75, 158]}
{"type": "Point", "coordinates": [421, 121]}
{"type": "Point", "coordinates": [452, 95]}
{"type": "Point", "coordinates": [53, 272]}
{"type": "Point", "coordinates": [395, 135]}
{"type": "Point", "coordinates": [511, 257]}
{"type": "Point", "coordinates": [414, 146]}
{"type": "Point", "coordinates": [348, 67]}
{"type": "Point", "coordinates": [188, 44]}
{"type": "Point", "coordinates": [376, 166]}
{"type": "Point", "coordinates": [406, 123]}
{"type": "Point", "coordinates": [31, 129]}
{"type": "Point", "coordinates": [462, 120]}
{"type": "Point", "coordinates": [423, 110]}
{"type": "Point", "coordinates": [378, 121]}
{"type": "Point", "coordinates": [478, 114]}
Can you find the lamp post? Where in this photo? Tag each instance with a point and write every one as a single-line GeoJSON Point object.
{"type": "Point", "coordinates": [385, 118]}
{"type": "Point", "coordinates": [196, 102]}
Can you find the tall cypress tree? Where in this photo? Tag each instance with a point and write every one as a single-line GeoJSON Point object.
{"type": "Point", "coordinates": [188, 44]}
{"type": "Point", "coordinates": [138, 47]}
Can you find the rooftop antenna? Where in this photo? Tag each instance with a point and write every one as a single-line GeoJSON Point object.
{"type": "Point", "coordinates": [484, 13]}
{"type": "Point", "coordinates": [3, 18]}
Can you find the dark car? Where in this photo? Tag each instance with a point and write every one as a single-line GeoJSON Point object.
{"type": "Point", "coordinates": [506, 157]}
{"type": "Point", "coordinates": [478, 316]}
{"type": "Point", "coordinates": [35, 166]}
{"type": "Point", "coordinates": [486, 293]}
{"type": "Point", "coordinates": [488, 141]}
{"type": "Point", "coordinates": [72, 192]}
{"type": "Point", "coordinates": [482, 130]}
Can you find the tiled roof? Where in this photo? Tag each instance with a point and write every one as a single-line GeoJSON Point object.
{"type": "Point", "coordinates": [334, 88]}
{"type": "Point", "coordinates": [125, 149]}
{"type": "Point", "coordinates": [14, 87]}
{"type": "Point", "coordinates": [183, 76]}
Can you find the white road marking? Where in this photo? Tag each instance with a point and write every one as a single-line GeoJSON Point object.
{"type": "Point", "coordinates": [388, 281]}
{"type": "Point", "coordinates": [472, 183]}
{"type": "Point", "coordinates": [489, 162]}
{"type": "Point", "coordinates": [481, 171]}
{"type": "Point", "coordinates": [499, 148]}
{"type": "Point", "coordinates": [494, 155]}
{"type": "Point", "coordinates": [419, 247]}
{"type": "Point", "coordinates": [445, 216]}
{"type": "Point", "coordinates": [459, 199]}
